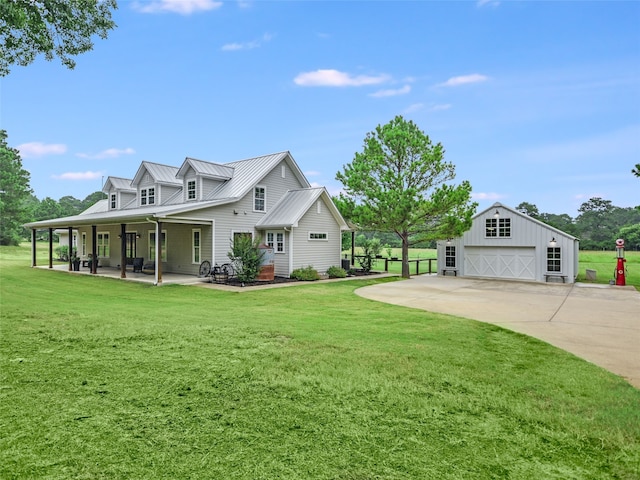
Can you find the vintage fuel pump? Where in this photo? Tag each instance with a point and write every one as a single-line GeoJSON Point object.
{"type": "Point", "coordinates": [620, 279]}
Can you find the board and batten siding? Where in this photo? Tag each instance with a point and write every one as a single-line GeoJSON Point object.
{"type": "Point", "coordinates": [521, 256]}
{"type": "Point", "coordinates": [320, 254]}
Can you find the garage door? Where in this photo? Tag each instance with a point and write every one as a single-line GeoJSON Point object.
{"type": "Point", "coordinates": [500, 262]}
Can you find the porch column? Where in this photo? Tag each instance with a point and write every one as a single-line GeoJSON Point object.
{"type": "Point", "coordinates": [158, 253]}
{"type": "Point", "coordinates": [213, 242]}
{"type": "Point", "coordinates": [50, 247]}
{"type": "Point", "coordinates": [70, 248]}
{"type": "Point", "coordinates": [353, 247]}
{"type": "Point", "coordinates": [94, 251]}
{"type": "Point", "coordinates": [123, 250]}
{"type": "Point", "coordinates": [33, 247]}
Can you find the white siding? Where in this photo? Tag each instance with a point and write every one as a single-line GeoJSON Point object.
{"type": "Point", "coordinates": [320, 254]}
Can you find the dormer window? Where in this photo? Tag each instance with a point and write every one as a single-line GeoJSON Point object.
{"type": "Point", "coordinates": [259, 198]}
{"type": "Point", "coordinates": [147, 196]}
{"type": "Point", "coordinates": [113, 201]}
{"type": "Point", "coordinates": [191, 190]}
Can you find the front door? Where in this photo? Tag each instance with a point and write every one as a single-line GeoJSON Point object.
{"type": "Point", "coordinates": [130, 248]}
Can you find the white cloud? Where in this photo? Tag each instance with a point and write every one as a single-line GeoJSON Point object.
{"type": "Point", "coordinates": [312, 173]}
{"type": "Point", "coordinates": [230, 47]}
{"type": "Point", "coordinates": [414, 108]}
{"type": "Point", "coordinates": [487, 196]}
{"type": "Point", "coordinates": [39, 149]}
{"type": "Point", "coordinates": [392, 92]}
{"type": "Point", "coordinates": [335, 78]}
{"type": "Point", "coordinates": [78, 176]}
{"type": "Point", "coordinates": [183, 7]}
{"type": "Point", "coordinates": [464, 80]}
{"type": "Point", "coordinates": [108, 153]}
{"type": "Point", "coordinates": [441, 107]}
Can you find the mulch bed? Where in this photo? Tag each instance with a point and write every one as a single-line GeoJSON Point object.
{"type": "Point", "coordinates": [237, 283]}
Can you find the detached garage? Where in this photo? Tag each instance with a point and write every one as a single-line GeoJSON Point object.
{"type": "Point", "coordinates": [508, 245]}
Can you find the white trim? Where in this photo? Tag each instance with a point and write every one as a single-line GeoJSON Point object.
{"type": "Point", "coordinates": [253, 198]}
{"type": "Point", "coordinates": [325, 239]}
{"type": "Point", "coordinates": [275, 242]}
{"type": "Point", "coordinates": [213, 242]}
{"type": "Point", "coordinates": [158, 246]}
{"type": "Point", "coordinates": [193, 246]}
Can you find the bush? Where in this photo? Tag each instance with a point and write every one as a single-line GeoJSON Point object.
{"type": "Point", "coordinates": [336, 272]}
{"type": "Point", "coordinates": [370, 248]}
{"type": "Point", "coordinates": [246, 257]}
{"type": "Point", "coordinates": [305, 273]}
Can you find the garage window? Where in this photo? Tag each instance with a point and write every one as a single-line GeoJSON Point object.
{"type": "Point", "coordinates": [553, 259]}
{"type": "Point", "coordinates": [498, 227]}
{"type": "Point", "coordinates": [450, 256]}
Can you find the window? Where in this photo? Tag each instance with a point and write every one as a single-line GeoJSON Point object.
{"type": "Point", "coordinates": [498, 227]}
{"type": "Point", "coordinates": [191, 190]}
{"type": "Point", "coordinates": [259, 196]}
{"type": "Point", "coordinates": [147, 196]}
{"type": "Point", "coordinates": [318, 236]}
{"type": "Point", "coordinates": [276, 241]}
{"type": "Point", "coordinates": [195, 246]}
{"type": "Point", "coordinates": [163, 245]}
{"type": "Point", "coordinates": [450, 256]}
{"type": "Point", "coordinates": [103, 244]}
{"type": "Point", "coordinates": [553, 259]}
{"type": "Point", "coordinates": [83, 249]}
{"type": "Point", "coordinates": [113, 200]}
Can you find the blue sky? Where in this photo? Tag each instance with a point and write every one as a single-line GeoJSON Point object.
{"type": "Point", "coordinates": [533, 101]}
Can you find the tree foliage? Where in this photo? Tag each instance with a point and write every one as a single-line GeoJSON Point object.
{"type": "Point", "coordinates": [246, 257]}
{"type": "Point", "coordinates": [62, 28]}
{"type": "Point", "coordinates": [636, 170]}
{"type": "Point", "coordinates": [14, 192]}
{"type": "Point", "coordinates": [398, 184]}
{"type": "Point", "coordinates": [528, 209]}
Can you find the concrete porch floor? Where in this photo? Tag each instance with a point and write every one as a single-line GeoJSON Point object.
{"type": "Point", "coordinates": [113, 272]}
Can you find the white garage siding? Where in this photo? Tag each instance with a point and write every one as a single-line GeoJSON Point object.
{"type": "Point", "coordinates": [496, 262]}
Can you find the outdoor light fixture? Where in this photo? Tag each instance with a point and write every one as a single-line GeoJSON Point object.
{"type": "Point", "coordinates": [553, 242]}
{"type": "Point", "coordinates": [137, 235]}
{"type": "Point", "coordinates": [448, 241]}
{"type": "Point", "coordinates": [497, 214]}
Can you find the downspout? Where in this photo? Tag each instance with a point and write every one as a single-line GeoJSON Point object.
{"type": "Point", "coordinates": [158, 253]}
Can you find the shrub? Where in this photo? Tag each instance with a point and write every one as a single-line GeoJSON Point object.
{"type": "Point", "coordinates": [246, 257]}
{"type": "Point", "coordinates": [305, 273]}
{"type": "Point", "coordinates": [370, 248]}
{"type": "Point", "coordinates": [336, 272]}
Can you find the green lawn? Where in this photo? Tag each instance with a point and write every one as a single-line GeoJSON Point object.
{"type": "Point", "coordinates": [604, 263]}
{"type": "Point", "coordinates": [108, 379]}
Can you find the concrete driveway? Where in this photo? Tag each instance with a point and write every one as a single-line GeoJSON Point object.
{"type": "Point", "coordinates": [600, 323]}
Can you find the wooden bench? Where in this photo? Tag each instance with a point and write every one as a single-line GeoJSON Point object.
{"type": "Point", "coordinates": [547, 276]}
{"type": "Point", "coordinates": [454, 270]}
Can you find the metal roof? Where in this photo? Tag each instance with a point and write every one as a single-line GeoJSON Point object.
{"type": "Point", "coordinates": [288, 211]}
{"type": "Point", "coordinates": [207, 169]}
{"type": "Point", "coordinates": [119, 184]}
{"type": "Point", "coordinates": [160, 173]}
{"type": "Point", "coordinates": [249, 172]}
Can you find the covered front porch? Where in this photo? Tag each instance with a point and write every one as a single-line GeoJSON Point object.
{"type": "Point", "coordinates": [113, 272]}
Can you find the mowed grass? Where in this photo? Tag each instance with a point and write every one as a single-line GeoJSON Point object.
{"type": "Point", "coordinates": [102, 378]}
{"type": "Point", "coordinates": [604, 263]}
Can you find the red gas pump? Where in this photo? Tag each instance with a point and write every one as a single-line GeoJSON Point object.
{"type": "Point", "coordinates": [620, 280]}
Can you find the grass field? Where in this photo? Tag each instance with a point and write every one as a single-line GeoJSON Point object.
{"type": "Point", "coordinates": [108, 379]}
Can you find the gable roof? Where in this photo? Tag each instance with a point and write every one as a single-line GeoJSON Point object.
{"type": "Point", "coordinates": [206, 169]}
{"type": "Point", "coordinates": [250, 172]}
{"type": "Point", "coordinates": [288, 211]}
{"type": "Point", "coordinates": [522, 215]}
{"type": "Point", "coordinates": [118, 183]}
{"type": "Point", "coordinates": [165, 174]}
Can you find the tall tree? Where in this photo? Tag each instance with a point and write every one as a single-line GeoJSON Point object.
{"type": "Point", "coordinates": [398, 184]}
{"type": "Point", "coordinates": [91, 199]}
{"type": "Point", "coordinates": [14, 193]}
{"type": "Point", "coordinates": [61, 28]}
{"type": "Point", "coordinates": [528, 209]}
